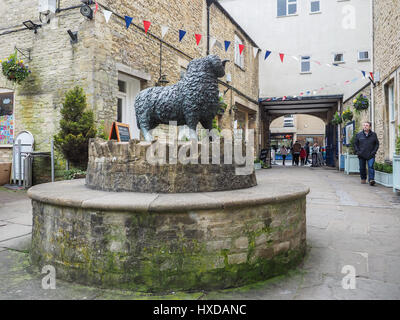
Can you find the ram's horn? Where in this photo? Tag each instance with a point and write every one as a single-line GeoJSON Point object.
{"type": "Point", "coordinates": [224, 62]}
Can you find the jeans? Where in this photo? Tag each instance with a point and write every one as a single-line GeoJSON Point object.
{"type": "Point", "coordinates": [363, 168]}
{"type": "Point", "coordinates": [283, 158]}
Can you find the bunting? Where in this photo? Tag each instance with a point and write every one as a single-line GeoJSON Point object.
{"type": "Point", "coordinates": [227, 44]}
{"type": "Point", "coordinates": [267, 53]}
{"type": "Point", "coordinates": [128, 21]}
{"type": "Point", "coordinates": [107, 15]}
{"type": "Point", "coordinates": [281, 55]}
{"type": "Point", "coordinates": [146, 25]}
{"type": "Point", "coordinates": [181, 34]}
{"type": "Point", "coordinates": [198, 38]}
{"type": "Point", "coordinates": [164, 30]}
{"type": "Point", "coordinates": [241, 47]}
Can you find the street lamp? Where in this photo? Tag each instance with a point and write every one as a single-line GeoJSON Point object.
{"type": "Point", "coordinates": [29, 24]}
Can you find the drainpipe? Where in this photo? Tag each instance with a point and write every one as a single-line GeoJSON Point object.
{"type": "Point", "coordinates": [372, 109]}
{"type": "Point", "coordinates": [209, 3]}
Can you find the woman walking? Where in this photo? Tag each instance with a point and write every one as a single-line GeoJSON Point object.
{"type": "Point", "coordinates": [284, 153]}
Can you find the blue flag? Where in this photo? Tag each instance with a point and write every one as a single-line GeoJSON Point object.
{"type": "Point", "coordinates": [363, 72]}
{"type": "Point", "coordinates": [181, 34]}
{"type": "Point", "coordinates": [128, 21]}
{"type": "Point", "coordinates": [227, 44]}
{"type": "Point", "coordinates": [267, 53]}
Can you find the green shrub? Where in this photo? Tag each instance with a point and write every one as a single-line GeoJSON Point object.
{"type": "Point", "coordinates": [74, 174]}
{"type": "Point", "coordinates": [101, 131]}
{"type": "Point", "coordinates": [76, 128]}
{"type": "Point", "coordinates": [351, 148]}
{"type": "Point", "coordinates": [383, 167]}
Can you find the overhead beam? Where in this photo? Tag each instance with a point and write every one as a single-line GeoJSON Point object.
{"type": "Point", "coordinates": [300, 106]}
{"type": "Point", "coordinates": [291, 111]}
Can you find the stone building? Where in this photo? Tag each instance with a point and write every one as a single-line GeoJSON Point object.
{"type": "Point", "coordinates": [113, 63]}
{"type": "Point", "coordinates": [386, 61]}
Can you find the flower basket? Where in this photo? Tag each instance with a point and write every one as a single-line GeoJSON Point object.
{"type": "Point", "coordinates": [361, 102]}
{"type": "Point", "coordinates": [337, 119]}
{"type": "Point", "coordinates": [221, 107]}
{"type": "Point", "coordinates": [15, 70]}
{"type": "Point", "coordinates": [347, 115]}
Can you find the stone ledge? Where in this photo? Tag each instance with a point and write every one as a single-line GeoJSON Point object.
{"type": "Point", "coordinates": [75, 194]}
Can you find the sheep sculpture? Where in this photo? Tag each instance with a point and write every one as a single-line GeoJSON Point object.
{"type": "Point", "coordinates": [192, 100]}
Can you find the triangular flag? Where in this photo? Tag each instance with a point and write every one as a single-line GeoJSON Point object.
{"type": "Point", "coordinates": [128, 21]}
{"type": "Point", "coordinates": [227, 44]}
{"type": "Point", "coordinates": [181, 34]}
{"type": "Point", "coordinates": [284, 98]}
{"type": "Point", "coordinates": [372, 75]}
{"type": "Point", "coordinates": [146, 25]}
{"type": "Point", "coordinates": [301, 93]}
{"type": "Point", "coordinates": [218, 44]}
{"type": "Point", "coordinates": [96, 8]}
{"type": "Point", "coordinates": [363, 73]}
{"type": "Point", "coordinates": [107, 15]}
{"type": "Point", "coordinates": [295, 58]}
{"type": "Point", "coordinates": [267, 53]}
{"type": "Point", "coordinates": [198, 38]}
{"type": "Point", "coordinates": [241, 47]}
{"type": "Point", "coordinates": [282, 55]}
{"type": "Point", "coordinates": [255, 51]}
{"type": "Point", "coordinates": [213, 41]}
{"type": "Point", "coordinates": [318, 63]}
{"type": "Point", "coordinates": [164, 30]}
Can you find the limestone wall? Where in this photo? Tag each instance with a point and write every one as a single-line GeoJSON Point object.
{"type": "Point", "coordinates": [102, 50]}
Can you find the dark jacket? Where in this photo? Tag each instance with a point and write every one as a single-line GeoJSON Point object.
{"type": "Point", "coordinates": [296, 148]}
{"type": "Point", "coordinates": [366, 146]}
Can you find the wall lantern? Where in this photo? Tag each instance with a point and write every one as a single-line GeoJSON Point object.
{"type": "Point", "coordinates": [31, 25]}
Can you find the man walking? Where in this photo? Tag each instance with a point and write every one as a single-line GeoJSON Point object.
{"type": "Point", "coordinates": [296, 153]}
{"type": "Point", "coordinates": [366, 145]}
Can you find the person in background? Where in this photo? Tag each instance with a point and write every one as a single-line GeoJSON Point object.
{"type": "Point", "coordinates": [366, 145]}
{"type": "Point", "coordinates": [296, 152]}
{"type": "Point", "coordinates": [303, 156]}
{"type": "Point", "coordinates": [284, 153]}
{"type": "Point", "coordinates": [314, 155]}
{"type": "Point", "coordinates": [307, 147]}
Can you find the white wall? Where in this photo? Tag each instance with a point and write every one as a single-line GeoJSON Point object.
{"type": "Point", "coordinates": [318, 35]}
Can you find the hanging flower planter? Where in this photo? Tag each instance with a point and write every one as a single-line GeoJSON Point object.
{"type": "Point", "coordinates": [15, 70]}
{"type": "Point", "coordinates": [347, 115]}
{"type": "Point", "coordinates": [361, 103]}
{"type": "Point", "coordinates": [337, 119]}
{"type": "Point", "coordinates": [222, 106]}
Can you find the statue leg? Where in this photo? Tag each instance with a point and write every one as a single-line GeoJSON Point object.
{"type": "Point", "coordinates": [146, 133]}
{"type": "Point", "coordinates": [192, 124]}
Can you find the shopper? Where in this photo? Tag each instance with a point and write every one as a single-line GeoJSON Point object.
{"type": "Point", "coordinates": [314, 155]}
{"type": "Point", "coordinates": [307, 147]}
{"type": "Point", "coordinates": [296, 152]}
{"type": "Point", "coordinates": [303, 156]}
{"type": "Point", "coordinates": [366, 145]}
{"type": "Point", "coordinates": [284, 153]}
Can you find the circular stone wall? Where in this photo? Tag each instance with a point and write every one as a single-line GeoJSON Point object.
{"type": "Point", "coordinates": [168, 242]}
{"type": "Point", "coordinates": [127, 166]}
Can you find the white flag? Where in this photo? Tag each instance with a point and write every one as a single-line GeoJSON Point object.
{"type": "Point", "coordinates": [164, 30]}
{"type": "Point", "coordinates": [107, 15]}
{"type": "Point", "coordinates": [255, 51]}
{"type": "Point", "coordinates": [295, 58]}
{"type": "Point", "coordinates": [213, 41]}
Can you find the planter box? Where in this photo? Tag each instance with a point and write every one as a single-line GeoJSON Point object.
{"type": "Point", "coordinates": [257, 166]}
{"type": "Point", "coordinates": [383, 178]}
{"type": "Point", "coordinates": [396, 172]}
{"type": "Point", "coordinates": [5, 172]}
{"type": "Point", "coordinates": [341, 163]}
{"type": "Point", "coordinates": [351, 164]}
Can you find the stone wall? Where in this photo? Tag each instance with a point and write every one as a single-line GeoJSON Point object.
{"type": "Point", "coordinates": [387, 63]}
{"type": "Point", "coordinates": [102, 49]}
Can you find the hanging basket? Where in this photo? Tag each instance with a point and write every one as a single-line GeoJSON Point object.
{"type": "Point", "coordinates": [15, 70]}
{"type": "Point", "coordinates": [361, 103]}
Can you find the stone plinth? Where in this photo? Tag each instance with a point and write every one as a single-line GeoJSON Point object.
{"type": "Point", "coordinates": [167, 242]}
{"type": "Point", "coordinates": [125, 166]}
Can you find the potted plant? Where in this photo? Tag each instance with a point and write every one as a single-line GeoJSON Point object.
{"type": "Point", "coordinates": [351, 162]}
{"type": "Point", "coordinates": [15, 70]}
{"type": "Point", "coordinates": [257, 164]}
{"type": "Point", "coordinates": [384, 174]}
{"type": "Point", "coordinates": [337, 119]}
{"type": "Point", "coordinates": [361, 103]}
{"type": "Point", "coordinates": [347, 115]}
{"type": "Point", "coordinates": [396, 166]}
{"type": "Point", "coordinates": [222, 106]}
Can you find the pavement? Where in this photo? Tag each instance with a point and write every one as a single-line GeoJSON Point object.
{"type": "Point", "coordinates": [352, 229]}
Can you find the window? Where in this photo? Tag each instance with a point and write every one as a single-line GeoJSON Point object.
{"type": "Point", "coordinates": [239, 58]}
{"type": "Point", "coordinates": [6, 117]}
{"type": "Point", "coordinates": [363, 56]}
{"type": "Point", "coordinates": [315, 6]}
{"type": "Point", "coordinates": [338, 58]}
{"type": "Point", "coordinates": [288, 121]}
{"type": "Point", "coordinates": [305, 64]}
{"type": "Point", "coordinates": [286, 7]}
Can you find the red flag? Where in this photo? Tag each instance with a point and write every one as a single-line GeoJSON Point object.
{"type": "Point", "coordinates": [372, 75]}
{"type": "Point", "coordinates": [97, 7]}
{"type": "Point", "coordinates": [198, 38]}
{"type": "Point", "coordinates": [146, 25]}
{"type": "Point", "coordinates": [241, 47]}
{"type": "Point", "coordinates": [301, 94]}
{"type": "Point", "coordinates": [282, 55]}
{"type": "Point", "coordinates": [284, 98]}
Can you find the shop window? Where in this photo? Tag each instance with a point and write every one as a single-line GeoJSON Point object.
{"type": "Point", "coordinates": [6, 118]}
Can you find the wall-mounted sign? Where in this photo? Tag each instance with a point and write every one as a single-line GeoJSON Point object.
{"type": "Point", "coordinates": [120, 132]}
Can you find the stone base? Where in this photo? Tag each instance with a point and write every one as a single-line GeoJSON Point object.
{"type": "Point", "coordinates": [126, 166]}
{"type": "Point", "coordinates": [168, 242]}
